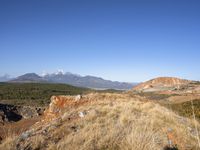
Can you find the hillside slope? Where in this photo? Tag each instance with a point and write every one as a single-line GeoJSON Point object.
{"type": "Point", "coordinates": [106, 121]}
{"type": "Point", "coordinates": [161, 83]}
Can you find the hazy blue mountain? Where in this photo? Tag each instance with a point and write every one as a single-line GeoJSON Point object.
{"type": "Point", "coordinates": [75, 80]}
{"type": "Point", "coordinates": [29, 77]}
{"type": "Point", "coordinates": [87, 81]}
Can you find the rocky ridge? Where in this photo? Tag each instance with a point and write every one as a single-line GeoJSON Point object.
{"type": "Point", "coordinates": [12, 113]}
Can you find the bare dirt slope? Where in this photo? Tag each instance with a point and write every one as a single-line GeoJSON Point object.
{"type": "Point", "coordinates": [161, 83]}
{"type": "Point", "coordinates": [8, 129]}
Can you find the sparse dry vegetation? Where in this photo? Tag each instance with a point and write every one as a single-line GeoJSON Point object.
{"type": "Point", "coordinates": [185, 108]}
{"type": "Point", "coordinates": [9, 142]}
{"type": "Point", "coordinates": [115, 121]}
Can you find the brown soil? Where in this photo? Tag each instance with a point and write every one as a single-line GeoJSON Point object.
{"type": "Point", "coordinates": [16, 128]}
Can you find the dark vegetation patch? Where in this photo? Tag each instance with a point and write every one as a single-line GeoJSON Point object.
{"type": "Point", "coordinates": [38, 94]}
{"type": "Point", "coordinates": [195, 83]}
{"type": "Point", "coordinates": [155, 96]}
{"type": "Point", "coordinates": [109, 91]}
{"type": "Point", "coordinates": [35, 93]}
{"type": "Point", "coordinates": [171, 148]}
{"type": "Point", "coordinates": [185, 108]}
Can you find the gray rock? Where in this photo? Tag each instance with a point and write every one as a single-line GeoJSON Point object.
{"type": "Point", "coordinates": [82, 114]}
{"type": "Point", "coordinates": [24, 135]}
{"type": "Point", "coordinates": [29, 112]}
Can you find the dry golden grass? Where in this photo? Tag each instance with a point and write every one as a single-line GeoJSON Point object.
{"type": "Point", "coordinates": [117, 122]}
{"type": "Point", "coordinates": [9, 141]}
{"type": "Point", "coordinates": [8, 144]}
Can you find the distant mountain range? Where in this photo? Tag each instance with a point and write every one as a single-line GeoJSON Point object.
{"type": "Point", "coordinates": [72, 79]}
{"type": "Point", "coordinates": [29, 77]}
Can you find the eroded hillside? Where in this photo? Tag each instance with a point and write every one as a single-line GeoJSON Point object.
{"type": "Point", "coordinates": [161, 84]}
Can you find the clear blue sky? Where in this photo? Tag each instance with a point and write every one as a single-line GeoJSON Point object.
{"type": "Point", "coordinates": [124, 40]}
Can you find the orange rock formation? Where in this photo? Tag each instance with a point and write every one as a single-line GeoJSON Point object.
{"type": "Point", "coordinates": [59, 104]}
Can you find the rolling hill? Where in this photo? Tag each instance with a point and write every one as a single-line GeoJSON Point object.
{"type": "Point", "coordinates": [161, 84]}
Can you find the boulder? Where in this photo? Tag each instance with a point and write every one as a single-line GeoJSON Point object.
{"type": "Point", "coordinates": [29, 112]}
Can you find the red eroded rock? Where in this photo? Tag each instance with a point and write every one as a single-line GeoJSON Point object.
{"type": "Point", "coordinates": [60, 104]}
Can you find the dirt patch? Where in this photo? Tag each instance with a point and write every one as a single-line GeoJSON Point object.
{"type": "Point", "coordinates": [16, 128]}
{"type": "Point", "coordinates": [183, 98]}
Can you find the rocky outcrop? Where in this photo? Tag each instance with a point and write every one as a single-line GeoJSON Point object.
{"type": "Point", "coordinates": [161, 83]}
{"type": "Point", "coordinates": [15, 113]}
{"type": "Point", "coordinates": [9, 113]}
{"type": "Point", "coordinates": [59, 105]}
{"type": "Point", "coordinates": [29, 111]}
